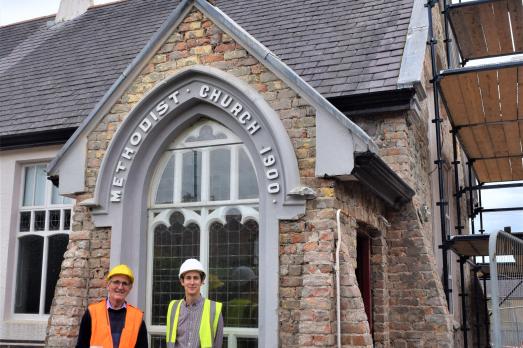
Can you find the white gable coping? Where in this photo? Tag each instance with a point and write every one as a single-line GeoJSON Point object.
{"type": "Point", "coordinates": [351, 138]}
{"type": "Point", "coordinates": [411, 69]}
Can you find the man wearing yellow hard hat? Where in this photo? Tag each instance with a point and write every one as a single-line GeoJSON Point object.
{"type": "Point", "coordinates": [112, 322]}
{"type": "Point", "coordinates": [194, 321]}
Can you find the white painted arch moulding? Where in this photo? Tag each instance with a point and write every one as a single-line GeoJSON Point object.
{"type": "Point", "coordinates": [188, 101]}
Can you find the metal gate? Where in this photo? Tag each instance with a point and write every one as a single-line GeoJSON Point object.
{"type": "Point", "coordinates": [506, 270]}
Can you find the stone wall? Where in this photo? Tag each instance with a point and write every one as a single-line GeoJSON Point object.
{"type": "Point", "coordinates": [81, 281]}
{"type": "Point", "coordinates": [361, 214]}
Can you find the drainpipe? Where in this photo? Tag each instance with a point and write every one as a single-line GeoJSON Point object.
{"type": "Point", "coordinates": [337, 270]}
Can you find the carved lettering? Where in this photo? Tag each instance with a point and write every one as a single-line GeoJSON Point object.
{"type": "Point", "coordinates": [116, 196]}
{"type": "Point", "coordinates": [253, 127]}
{"type": "Point", "coordinates": [204, 90]}
{"type": "Point", "coordinates": [174, 97]}
{"type": "Point", "coordinates": [162, 108]}
{"type": "Point", "coordinates": [153, 116]}
{"type": "Point", "coordinates": [269, 160]}
{"type": "Point", "coordinates": [236, 109]}
{"type": "Point", "coordinates": [272, 174]}
{"type": "Point", "coordinates": [117, 181]}
{"type": "Point", "coordinates": [215, 95]}
{"type": "Point", "coordinates": [246, 116]}
{"type": "Point", "coordinates": [120, 167]}
{"type": "Point", "coordinates": [145, 125]}
{"type": "Point", "coordinates": [127, 152]}
{"type": "Point", "coordinates": [136, 138]}
{"type": "Point", "coordinates": [226, 100]}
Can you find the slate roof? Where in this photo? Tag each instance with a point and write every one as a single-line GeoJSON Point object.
{"type": "Point", "coordinates": [51, 77]}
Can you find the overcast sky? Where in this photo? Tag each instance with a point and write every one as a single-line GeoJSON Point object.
{"type": "Point", "coordinates": [12, 11]}
{"type": "Point", "coordinates": [502, 198]}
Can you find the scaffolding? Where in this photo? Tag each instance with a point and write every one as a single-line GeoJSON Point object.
{"type": "Point", "coordinates": [484, 105]}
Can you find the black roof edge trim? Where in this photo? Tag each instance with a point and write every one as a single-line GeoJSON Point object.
{"type": "Point", "coordinates": [42, 138]}
{"type": "Point", "coordinates": [377, 102]}
{"type": "Point", "coordinates": [374, 173]}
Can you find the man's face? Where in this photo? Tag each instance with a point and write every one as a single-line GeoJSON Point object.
{"type": "Point", "coordinates": [118, 288]}
{"type": "Point", "coordinates": [191, 282]}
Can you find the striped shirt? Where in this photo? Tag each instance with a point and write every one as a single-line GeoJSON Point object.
{"type": "Point", "coordinates": [187, 334]}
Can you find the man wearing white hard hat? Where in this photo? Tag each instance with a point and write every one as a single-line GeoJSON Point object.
{"type": "Point", "coordinates": [194, 321]}
{"type": "Point", "coordinates": [112, 322]}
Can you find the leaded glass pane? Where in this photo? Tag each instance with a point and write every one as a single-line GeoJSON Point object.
{"type": "Point", "coordinates": [208, 149]}
{"type": "Point", "coordinates": [25, 221]}
{"type": "Point", "coordinates": [248, 186]}
{"type": "Point", "coordinates": [40, 182]}
{"type": "Point", "coordinates": [220, 172]}
{"type": "Point", "coordinates": [191, 176]}
{"type": "Point", "coordinates": [67, 219]}
{"type": "Point", "coordinates": [29, 274]}
{"type": "Point", "coordinates": [247, 342]}
{"type": "Point", "coordinates": [158, 342]}
{"type": "Point", "coordinates": [173, 244]}
{"type": "Point", "coordinates": [55, 256]}
{"type": "Point", "coordinates": [241, 342]}
{"type": "Point", "coordinates": [54, 220]}
{"type": "Point", "coordinates": [165, 192]}
{"type": "Point", "coordinates": [233, 269]}
{"type": "Point", "coordinates": [29, 185]}
{"type": "Point", "coordinates": [39, 222]}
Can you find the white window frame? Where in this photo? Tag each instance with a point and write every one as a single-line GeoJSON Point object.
{"type": "Point", "coordinates": [247, 206]}
{"type": "Point", "coordinates": [47, 206]}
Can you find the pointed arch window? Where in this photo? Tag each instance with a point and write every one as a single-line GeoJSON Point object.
{"type": "Point", "coordinates": [203, 203]}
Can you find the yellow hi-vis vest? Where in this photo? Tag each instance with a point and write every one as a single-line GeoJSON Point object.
{"type": "Point", "coordinates": [208, 322]}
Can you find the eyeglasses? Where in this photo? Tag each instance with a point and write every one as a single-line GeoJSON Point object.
{"type": "Point", "coordinates": [117, 283]}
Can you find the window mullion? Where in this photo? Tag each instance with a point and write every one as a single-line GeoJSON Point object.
{"type": "Point", "coordinates": [204, 247]}
{"type": "Point", "coordinates": [32, 221]}
{"type": "Point", "coordinates": [34, 186]}
{"type": "Point", "coordinates": [150, 258]}
{"type": "Point", "coordinates": [231, 341]}
{"type": "Point", "coordinates": [178, 166]}
{"type": "Point", "coordinates": [234, 179]}
{"type": "Point", "coordinates": [48, 193]}
{"type": "Point", "coordinates": [43, 276]}
{"type": "Point", "coordinates": [62, 220]}
{"type": "Point", "coordinates": [206, 175]}
{"type": "Point", "coordinates": [47, 215]}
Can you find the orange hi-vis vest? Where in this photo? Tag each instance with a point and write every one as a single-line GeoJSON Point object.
{"type": "Point", "coordinates": [101, 327]}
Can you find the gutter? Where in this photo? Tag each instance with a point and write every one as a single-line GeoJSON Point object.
{"type": "Point", "coordinates": [378, 177]}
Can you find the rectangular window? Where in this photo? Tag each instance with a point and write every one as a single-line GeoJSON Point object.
{"type": "Point", "coordinates": [44, 219]}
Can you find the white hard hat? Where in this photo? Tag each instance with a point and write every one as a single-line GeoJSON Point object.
{"type": "Point", "coordinates": [191, 265]}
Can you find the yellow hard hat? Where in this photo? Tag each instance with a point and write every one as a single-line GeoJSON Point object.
{"type": "Point", "coordinates": [121, 270]}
